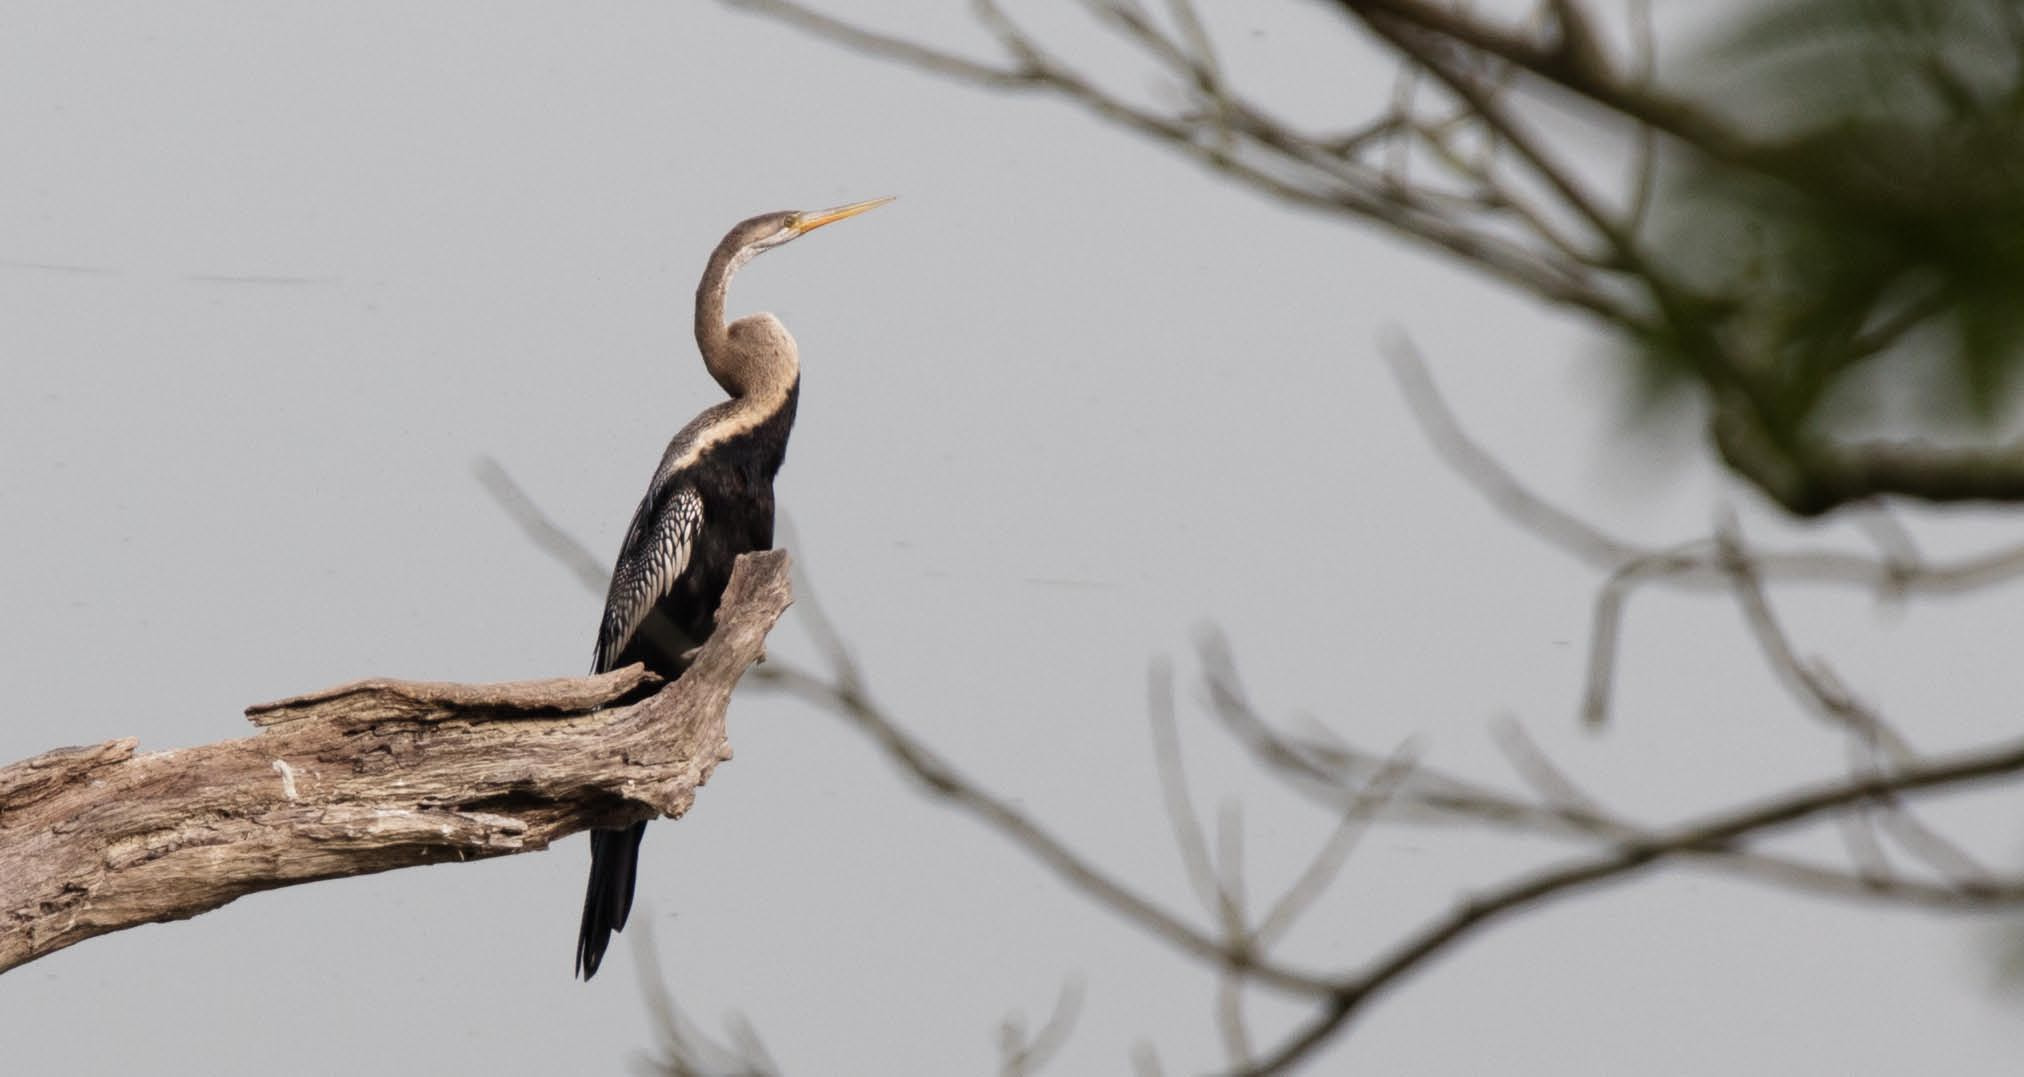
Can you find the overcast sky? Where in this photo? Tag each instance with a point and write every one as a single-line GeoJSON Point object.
{"type": "Point", "coordinates": [273, 277]}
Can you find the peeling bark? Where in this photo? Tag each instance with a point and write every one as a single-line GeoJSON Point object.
{"type": "Point", "coordinates": [365, 777]}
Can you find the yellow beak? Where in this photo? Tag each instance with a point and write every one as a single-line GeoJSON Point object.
{"type": "Point", "coordinates": [809, 222]}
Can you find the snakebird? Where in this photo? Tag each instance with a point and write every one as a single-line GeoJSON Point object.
{"type": "Point", "coordinates": [710, 500]}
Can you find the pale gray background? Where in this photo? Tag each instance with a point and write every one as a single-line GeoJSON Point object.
{"type": "Point", "coordinates": [272, 276]}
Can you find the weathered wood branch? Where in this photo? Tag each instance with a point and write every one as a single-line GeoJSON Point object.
{"type": "Point", "coordinates": [363, 778]}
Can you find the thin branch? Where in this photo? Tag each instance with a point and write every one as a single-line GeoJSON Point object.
{"type": "Point", "coordinates": [1428, 795]}
{"type": "Point", "coordinates": [1328, 861]}
{"type": "Point", "coordinates": [1606, 625]}
{"type": "Point", "coordinates": [1822, 694]}
{"type": "Point", "coordinates": [1645, 162]}
{"type": "Point", "coordinates": [593, 574]}
{"type": "Point", "coordinates": [1189, 837]}
{"type": "Point", "coordinates": [685, 1050]}
{"type": "Point", "coordinates": [1325, 185]}
{"type": "Point", "coordinates": [1236, 937]}
{"type": "Point", "coordinates": [1890, 575]}
{"type": "Point", "coordinates": [1642, 104]}
{"type": "Point", "coordinates": [939, 777]}
{"type": "Point", "coordinates": [1554, 787]}
{"type": "Point", "coordinates": [1476, 465]}
{"type": "Point", "coordinates": [1020, 1054]}
{"type": "Point", "coordinates": [1898, 571]}
{"type": "Point", "coordinates": [886, 46]}
{"type": "Point", "coordinates": [1724, 829]}
{"type": "Point", "coordinates": [1484, 103]}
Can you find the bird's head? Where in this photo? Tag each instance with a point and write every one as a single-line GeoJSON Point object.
{"type": "Point", "coordinates": [770, 230]}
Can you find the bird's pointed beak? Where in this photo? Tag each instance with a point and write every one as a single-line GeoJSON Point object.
{"type": "Point", "coordinates": [809, 222]}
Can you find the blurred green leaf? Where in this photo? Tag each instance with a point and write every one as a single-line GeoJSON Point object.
{"type": "Point", "coordinates": [1887, 202]}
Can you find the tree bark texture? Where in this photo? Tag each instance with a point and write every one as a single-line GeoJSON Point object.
{"type": "Point", "coordinates": [366, 777]}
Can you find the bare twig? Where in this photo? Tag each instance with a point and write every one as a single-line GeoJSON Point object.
{"type": "Point", "coordinates": [1717, 831]}
{"type": "Point", "coordinates": [1328, 860]}
{"type": "Point", "coordinates": [684, 1049]}
{"type": "Point", "coordinates": [1229, 135]}
{"type": "Point", "coordinates": [1481, 469]}
{"type": "Point", "coordinates": [885, 46]}
{"type": "Point", "coordinates": [1555, 788]}
{"type": "Point", "coordinates": [1189, 836]}
{"type": "Point", "coordinates": [1805, 680]}
{"type": "Point", "coordinates": [938, 777]}
{"type": "Point", "coordinates": [1022, 1054]}
{"type": "Point", "coordinates": [550, 539]}
{"type": "Point", "coordinates": [1337, 776]}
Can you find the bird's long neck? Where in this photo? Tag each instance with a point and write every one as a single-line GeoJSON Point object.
{"type": "Point", "coordinates": [712, 334]}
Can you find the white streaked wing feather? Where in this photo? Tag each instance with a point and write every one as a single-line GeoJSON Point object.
{"type": "Point", "coordinates": [656, 554]}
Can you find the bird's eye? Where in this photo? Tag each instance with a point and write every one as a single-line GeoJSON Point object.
{"type": "Point", "coordinates": [793, 221]}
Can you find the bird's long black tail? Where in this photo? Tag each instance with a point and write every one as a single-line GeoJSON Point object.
{"type": "Point", "coordinates": [614, 860]}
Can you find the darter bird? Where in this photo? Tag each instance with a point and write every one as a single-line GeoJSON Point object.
{"type": "Point", "coordinates": [710, 500]}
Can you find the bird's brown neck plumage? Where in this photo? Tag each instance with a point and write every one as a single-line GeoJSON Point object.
{"type": "Point", "coordinates": [712, 335]}
{"type": "Point", "coordinates": [753, 358]}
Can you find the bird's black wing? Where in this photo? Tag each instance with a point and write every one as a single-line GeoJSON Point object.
{"type": "Point", "coordinates": [655, 554]}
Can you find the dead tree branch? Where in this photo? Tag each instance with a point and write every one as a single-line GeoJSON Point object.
{"type": "Point", "coordinates": [363, 778]}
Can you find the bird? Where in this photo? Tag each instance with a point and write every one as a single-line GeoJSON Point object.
{"type": "Point", "coordinates": [710, 500]}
